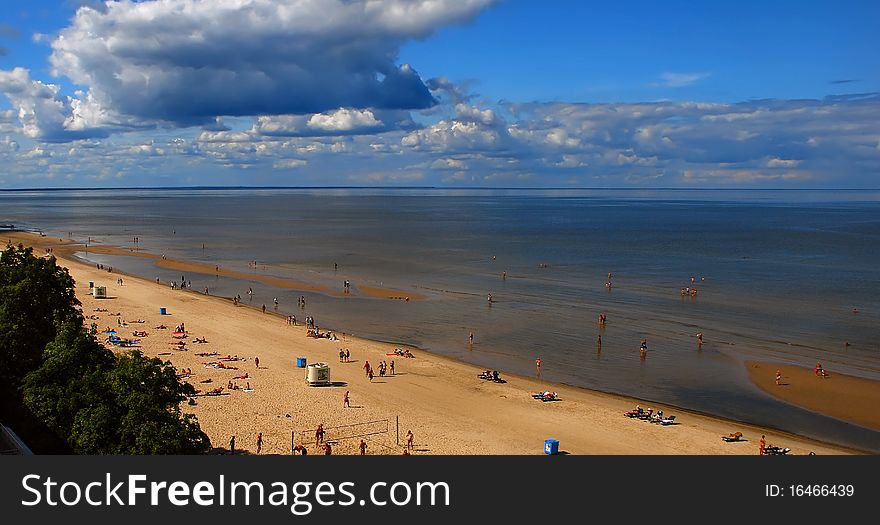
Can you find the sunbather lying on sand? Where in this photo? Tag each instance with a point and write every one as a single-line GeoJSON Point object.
{"type": "Point", "coordinates": [200, 340]}
{"type": "Point", "coordinates": [546, 396]}
{"type": "Point", "coordinates": [160, 327]}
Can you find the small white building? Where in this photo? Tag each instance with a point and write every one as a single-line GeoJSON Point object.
{"type": "Point", "coordinates": [318, 374]}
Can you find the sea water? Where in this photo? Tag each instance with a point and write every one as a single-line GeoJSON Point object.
{"type": "Point", "coordinates": [778, 275]}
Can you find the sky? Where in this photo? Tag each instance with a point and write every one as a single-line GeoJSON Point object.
{"type": "Point", "coordinates": [450, 93]}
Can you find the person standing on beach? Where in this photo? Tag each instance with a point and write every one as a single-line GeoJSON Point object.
{"type": "Point", "coordinates": [409, 440]}
{"type": "Point", "coordinates": [362, 446]}
{"type": "Point", "coordinates": [538, 365]}
{"type": "Point", "coordinates": [319, 434]}
{"type": "Point", "coordinates": [347, 355]}
{"type": "Point", "coordinates": [232, 445]}
{"type": "Point", "coordinates": [257, 362]}
{"type": "Point", "coordinates": [761, 445]}
{"type": "Point", "coordinates": [778, 377]}
{"type": "Point", "coordinates": [366, 367]}
{"type": "Point", "coordinates": [699, 339]}
{"type": "Point", "coordinates": [370, 374]}
{"type": "Point", "coordinates": [259, 442]}
{"type": "Point", "coordinates": [327, 449]}
{"type": "Point", "coordinates": [346, 401]}
{"type": "Point", "coordinates": [471, 339]}
{"type": "Point", "coordinates": [392, 367]}
{"type": "Point", "coordinates": [264, 308]}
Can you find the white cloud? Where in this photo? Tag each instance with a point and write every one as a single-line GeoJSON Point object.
{"type": "Point", "coordinates": [343, 120]}
{"type": "Point", "coordinates": [776, 162]}
{"type": "Point", "coordinates": [289, 163]}
{"type": "Point", "coordinates": [675, 80]}
{"type": "Point", "coordinates": [189, 61]}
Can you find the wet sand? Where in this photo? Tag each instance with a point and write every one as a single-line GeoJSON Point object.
{"type": "Point", "coordinates": [66, 248]}
{"type": "Point", "coordinates": [849, 398]}
{"type": "Point", "coordinates": [447, 407]}
{"type": "Point", "coordinates": [388, 293]}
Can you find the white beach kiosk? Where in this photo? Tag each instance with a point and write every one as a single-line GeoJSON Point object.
{"type": "Point", "coordinates": [318, 374]}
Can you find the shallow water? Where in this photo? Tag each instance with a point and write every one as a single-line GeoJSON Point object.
{"type": "Point", "coordinates": [783, 271]}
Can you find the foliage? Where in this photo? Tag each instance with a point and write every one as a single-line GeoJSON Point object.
{"type": "Point", "coordinates": [56, 379]}
{"type": "Point", "coordinates": [107, 404]}
{"type": "Point", "coordinates": [35, 296]}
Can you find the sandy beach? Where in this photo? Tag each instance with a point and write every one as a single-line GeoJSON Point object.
{"type": "Point", "coordinates": [443, 402]}
{"type": "Point", "coordinates": [837, 395]}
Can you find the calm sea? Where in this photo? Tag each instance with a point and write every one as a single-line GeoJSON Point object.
{"type": "Point", "coordinates": [778, 274]}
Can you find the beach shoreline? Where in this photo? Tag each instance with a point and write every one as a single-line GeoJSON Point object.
{"type": "Point", "coordinates": [451, 409]}
{"type": "Point", "coordinates": [848, 398]}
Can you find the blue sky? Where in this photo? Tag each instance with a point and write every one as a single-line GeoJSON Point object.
{"type": "Point", "coordinates": [451, 93]}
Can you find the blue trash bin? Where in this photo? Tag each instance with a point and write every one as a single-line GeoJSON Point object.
{"type": "Point", "coordinates": [162, 311]}
{"type": "Point", "coordinates": [301, 362]}
{"type": "Point", "coordinates": [551, 446]}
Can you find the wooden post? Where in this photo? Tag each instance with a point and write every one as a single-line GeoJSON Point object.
{"type": "Point", "coordinates": [397, 425]}
{"type": "Point", "coordinates": [292, 442]}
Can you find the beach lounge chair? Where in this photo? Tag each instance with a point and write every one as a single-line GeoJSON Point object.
{"type": "Point", "coordinates": [668, 421]}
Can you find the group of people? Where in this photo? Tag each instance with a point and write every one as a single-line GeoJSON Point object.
{"type": "Point", "coordinates": [491, 375]}
{"type": "Point", "coordinates": [384, 368]}
{"type": "Point", "coordinates": [406, 353]}
{"type": "Point", "coordinates": [344, 355]}
{"type": "Point", "coordinates": [183, 283]}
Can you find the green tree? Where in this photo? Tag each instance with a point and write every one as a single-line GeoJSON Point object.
{"type": "Point", "coordinates": [146, 417]}
{"type": "Point", "coordinates": [72, 376]}
{"type": "Point", "coordinates": [36, 296]}
{"type": "Point", "coordinates": [101, 403]}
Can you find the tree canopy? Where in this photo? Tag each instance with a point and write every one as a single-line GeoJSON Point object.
{"type": "Point", "coordinates": [95, 401]}
{"type": "Point", "coordinates": [36, 295]}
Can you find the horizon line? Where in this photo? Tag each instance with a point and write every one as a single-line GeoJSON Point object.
{"type": "Point", "coordinates": [521, 188]}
